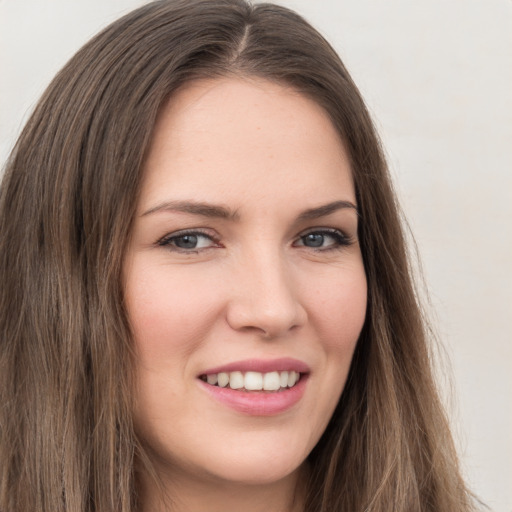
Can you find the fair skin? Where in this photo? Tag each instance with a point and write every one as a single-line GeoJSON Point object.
{"type": "Point", "coordinates": [244, 259]}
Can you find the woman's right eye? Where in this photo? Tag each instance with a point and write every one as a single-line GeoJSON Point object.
{"type": "Point", "coordinates": [190, 241]}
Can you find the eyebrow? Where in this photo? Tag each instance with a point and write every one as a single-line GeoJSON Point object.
{"type": "Point", "coordinates": [327, 209]}
{"type": "Point", "coordinates": [222, 212]}
{"type": "Point", "coordinates": [195, 208]}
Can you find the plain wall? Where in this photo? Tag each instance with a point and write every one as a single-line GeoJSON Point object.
{"type": "Point", "coordinates": [437, 76]}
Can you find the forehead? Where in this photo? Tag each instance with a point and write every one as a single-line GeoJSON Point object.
{"type": "Point", "coordinates": [234, 139]}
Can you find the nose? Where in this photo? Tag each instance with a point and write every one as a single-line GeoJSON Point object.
{"type": "Point", "coordinates": [265, 298]}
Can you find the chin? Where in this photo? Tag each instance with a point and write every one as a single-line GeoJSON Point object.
{"type": "Point", "coordinates": [240, 464]}
{"type": "Point", "coordinates": [260, 473]}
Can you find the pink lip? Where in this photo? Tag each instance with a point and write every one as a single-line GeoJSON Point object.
{"type": "Point", "coordinates": [258, 403]}
{"type": "Point", "coordinates": [261, 365]}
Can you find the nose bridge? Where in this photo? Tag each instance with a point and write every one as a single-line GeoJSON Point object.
{"type": "Point", "coordinates": [265, 298]}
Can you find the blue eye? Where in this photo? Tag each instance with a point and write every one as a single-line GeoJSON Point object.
{"type": "Point", "coordinates": [313, 240]}
{"type": "Point", "coordinates": [323, 239]}
{"type": "Point", "coordinates": [187, 241]}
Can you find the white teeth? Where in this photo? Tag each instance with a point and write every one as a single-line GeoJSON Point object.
{"type": "Point", "coordinates": [271, 381]}
{"type": "Point", "coordinates": [236, 380]}
{"type": "Point", "coordinates": [292, 378]}
{"type": "Point", "coordinates": [254, 381]}
{"type": "Point", "coordinates": [212, 379]}
{"type": "Point", "coordinates": [223, 379]}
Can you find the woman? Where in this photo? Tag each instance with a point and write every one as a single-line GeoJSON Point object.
{"type": "Point", "coordinates": [206, 298]}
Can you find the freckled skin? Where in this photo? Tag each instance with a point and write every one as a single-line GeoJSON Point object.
{"type": "Point", "coordinates": [252, 290]}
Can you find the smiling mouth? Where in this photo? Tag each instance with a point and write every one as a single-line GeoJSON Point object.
{"type": "Point", "coordinates": [253, 381]}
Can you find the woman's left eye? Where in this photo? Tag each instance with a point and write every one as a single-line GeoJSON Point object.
{"type": "Point", "coordinates": [187, 241]}
{"type": "Point", "coordinates": [323, 239]}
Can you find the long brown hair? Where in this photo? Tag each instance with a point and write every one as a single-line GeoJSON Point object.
{"type": "Point", "coordinates": [66, 208]}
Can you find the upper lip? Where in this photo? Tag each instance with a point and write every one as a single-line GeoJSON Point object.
{"type": "Point", "coordinates": [261, 365]}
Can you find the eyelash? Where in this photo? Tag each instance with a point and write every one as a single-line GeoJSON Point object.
{"type": "Point", "coordinates": [340, 240]}
{"type": "Point", "coordinates": [168, 241]}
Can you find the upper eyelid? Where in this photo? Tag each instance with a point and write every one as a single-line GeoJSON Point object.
{"type": "Point", "coordinates": [323, 230]}
{"type": "Point", "coordinates": [185, 232]}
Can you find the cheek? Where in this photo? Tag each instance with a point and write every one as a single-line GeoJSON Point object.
{"type": "Point", "coordinates": [163, 310]}
{"type": "Point", "coordinates": [338, 310]}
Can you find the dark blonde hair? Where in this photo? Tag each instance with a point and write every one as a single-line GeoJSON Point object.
{"type": "Point", "coordinates": [66, 209]}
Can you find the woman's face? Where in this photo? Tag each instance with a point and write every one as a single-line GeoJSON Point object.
{"type": "Point", "coordinates": [243, 272]}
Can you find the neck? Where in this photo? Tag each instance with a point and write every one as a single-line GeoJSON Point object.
{"type": "Point", "coordinates": [183, 494]}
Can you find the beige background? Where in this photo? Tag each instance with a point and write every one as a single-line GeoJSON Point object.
{"type": "Point", "coordinates": [437, 76]}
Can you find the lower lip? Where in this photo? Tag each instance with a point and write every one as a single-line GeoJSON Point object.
{"type": "Point", "coordinates": [258, 403]}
